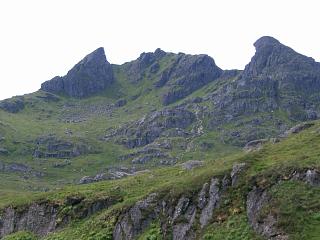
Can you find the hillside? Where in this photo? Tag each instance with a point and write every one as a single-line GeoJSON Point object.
{"type": "Point", "coordinates": [168, 146]}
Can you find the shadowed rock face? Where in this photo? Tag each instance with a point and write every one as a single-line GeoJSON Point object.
{"type": "Point", "coordinates": [277, 78]}
{"type": "Point", "coordinates": [90, 76]}
{"type": "Point", "coordinates": [12, 105]}
{"type": "Point", "coordinates": [137, 69]}
{"type": "Point", "coordinates": [187, 74]}
{"type": "Point", "coordinates": [295, 75]}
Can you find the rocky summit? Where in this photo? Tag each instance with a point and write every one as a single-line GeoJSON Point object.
{"type": "Point", "coordinates": [90, 76]}
{"type": "Point", "coordinates": [167, 146]}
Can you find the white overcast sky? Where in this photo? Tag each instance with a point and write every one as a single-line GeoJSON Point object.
{"type": "Point", "coordinates": [40, 39]}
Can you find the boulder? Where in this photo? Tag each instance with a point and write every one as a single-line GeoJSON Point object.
{"type": "Point", "coordinates": [3, 151]}
{"type": "Point", "coordinates": [298, 128]}
{"type": "Point", "coordinates": [255, 145]}
{"type": "Point", "coordinates": [237, 170]}
{"type": "Point", "coordinates": [86, 179]}
{"type": "Point", "coordinates": [191, 164]}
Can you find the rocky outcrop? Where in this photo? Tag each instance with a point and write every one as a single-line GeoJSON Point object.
{"type": "Point", "coordinates": [39, 218]}
{"type": "Point", "coordinates": [147, 63]}
{"type": "Point", "coordinates": [91, 75]}
{"type": "Point", "coordinates": [4, 151]}
{"type": "Point", "coordinates": [51, 146]}
{"type": "Point", "coordinates": [19, 168]}
{"type": "Point", "coordinates": [13, 105]}
{"type": "Point", "coordinates": [237, 170]}
{"type": "Point", "coordinates": [137, 219]}
{"type": "Point", "coordinates": [266, 227]}
{"type": "Point", "coordinates": [111, 174]}
{"type": "Point", "coordinates": [180, 214]}
{"type": "Point", "coordinates": [276, 78]}
{"type": "Point", "coordinates": [44, 217]}
{"type": "Point", "coordinates": [258, 198]}
{"type": "Point", "coordinates": [187, 74]}
{"type": "Point", "coordinates": [149, 128]}
{"type": "Point", "coordinates": [255, 145]}
{"type": "Point", "coordinates": [298, 128]}
{"type": "Point", "coordinates": [278, 81]}
{"type": "Point", "coordinates": [191, 164]}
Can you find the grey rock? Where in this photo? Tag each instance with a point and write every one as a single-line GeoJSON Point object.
{"type": "Point", "coordinates": [48, 97]}
{"type": "Point", "coordinates": [86, 180]}
{"type": "Point", "coordinates": [91, 75]}
{"type": "Point", "coordinates": [298, 128]}
{"type": "Point", "coordinates": [13, 105]}
{"type": "Point", "coordinates": [37, 218]}
{"type": "Point", "coordinates": [267, 227]}
{"type": "Point", "coordinates": [203, 198]}
{"type": "Point", "coordinates": [191, 164]}
{"type": "Point", "coordinates": [43, 217]}
{"type": "Point", "coordinates": [137, 219]}
{"type": "Point", "coordinates": [237, 170]}
{"type": "Point", "coordinates": [50, 146]}
{"type": "Point", "coordinates": [3, 151]}
{"type": "Point", "coordinates": [313, 177]}
{"type": "Point", "coordinates": [213, 201]}
{"type": "Point", "coordinates": [255, 145]}
{"type": "Point", "coordinates": [186, 211]}
{"type": "Point", "coordinates": [136, 70]}
{"type": "Point", "coordinates": [20, 168]}
{"type": "Point", "coordinates": [121, 103]}
{"type": "Point", "coordinates": [151, 127]}
{"type": "Point", "coordinates": [186, 75]}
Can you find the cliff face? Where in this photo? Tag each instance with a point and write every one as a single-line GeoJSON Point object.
{"type": "Point", "coordinates": [41, 218]}
{"type": "Point", "coordinates": [90, 76]}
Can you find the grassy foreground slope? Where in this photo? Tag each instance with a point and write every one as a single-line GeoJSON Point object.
{"type": "Point", "coordinates": [295, 203]}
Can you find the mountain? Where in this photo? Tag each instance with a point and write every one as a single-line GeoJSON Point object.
{"type": "Point", "coordinates": [90, 76]}
{"type": "Point", "coordinates": [167, 146]}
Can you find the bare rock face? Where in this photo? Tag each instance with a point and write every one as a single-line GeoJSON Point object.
{"type": "Point", "coordinates": [50, 146]}
{"type": "Point", "coordinates": [138, 69]}
{"type": "Point", "coordinates": [90, 76]}
{"type": "Point", "coordinates": [212, 202]}
{"type": "Point", "coordinates": [256, 200]}
{"type": "Point", "coordinates": [259, 198]}
{"type": "Point", "coordinates": [149, 128]}
{"type": "Point", "coordinates": [13, 105]}
{"type": "Point", "coordinates": [20, 169]}
{"type": "Point", "coordinates": [298, 128]}
{"type": "Point", "coordinates": [313, 177]}
{"type": "Point", "coordinates": [177, 216]}
{"type": "Point", "coordinates": [293, 78]}
{"type": "Point", "coordinates": [136, 219]}
{"type": "Point", "coordinates": [37, 218]}
{"type": "Point", "coordinates": [237, 169]}
{"type": "Point", "coordinates": [187, 74]}
{"type": "Point", "coordinates": [41, 218]}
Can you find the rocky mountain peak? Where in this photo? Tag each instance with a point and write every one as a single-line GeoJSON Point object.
{"type": "Point", "coordinates": [266, 41]}
{"type": "Point", "coordinates": [90, 76]}
{"type": "Point", "coordinates": [97, 56]}
{"type": "Point", "coordinates": [272, 56]}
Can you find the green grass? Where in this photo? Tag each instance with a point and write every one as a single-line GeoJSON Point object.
{"type": "Point", "coordinates": [41, 118]}
{"type": "Point", "coordinates": [297, 206]}
{"type": "Point", "coordinates": [296, 203]}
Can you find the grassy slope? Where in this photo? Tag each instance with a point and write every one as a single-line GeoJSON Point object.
{"type": "Point", "coordinates": [41, 118]}
{"type": "Point", "coordinates": [296, 203]}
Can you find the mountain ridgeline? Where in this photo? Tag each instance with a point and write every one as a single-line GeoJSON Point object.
{"type": "Point", "coordinates": [167, 146]}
